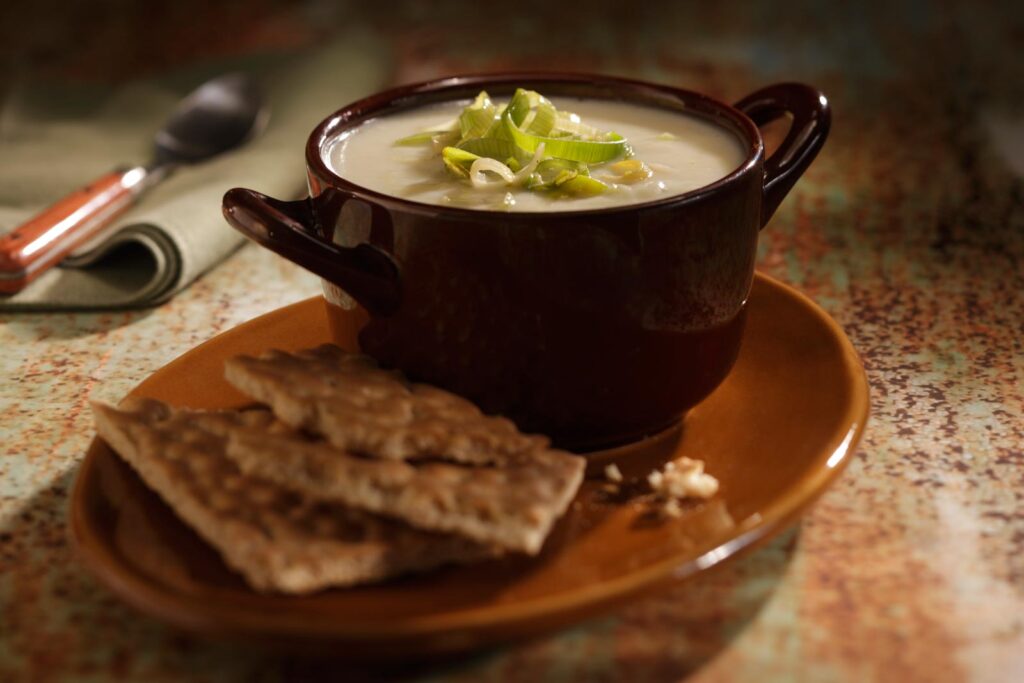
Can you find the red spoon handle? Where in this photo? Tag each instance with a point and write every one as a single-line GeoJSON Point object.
{"type": "Point", "coordinates": [28, 250]}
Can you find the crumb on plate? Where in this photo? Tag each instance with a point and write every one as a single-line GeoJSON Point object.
{"type": "Point", "coordinates": [683, 478]}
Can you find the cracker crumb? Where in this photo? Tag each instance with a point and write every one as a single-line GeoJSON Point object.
{"type": "Point", "coordinates": [672, 508]}
{"type": "Point", "coordinates": [683, 478]}
{"type": "Point", "coordinates": [612, 473]}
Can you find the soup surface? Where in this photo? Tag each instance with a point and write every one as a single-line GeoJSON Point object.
{"type": "Point", "coordinates": [683, 152]}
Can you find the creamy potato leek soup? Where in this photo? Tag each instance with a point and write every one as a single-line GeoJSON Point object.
{"type": "Point", "coordinates": [528, 153]}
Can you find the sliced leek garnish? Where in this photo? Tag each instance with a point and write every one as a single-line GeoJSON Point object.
{"type": "Point", "coordinates": [568, 123]}
{"type": "Point", "coordinates": [526, 102]}
{"type": "Point", "coordinates": [587, 151]}
{"type": "Point", "coordinates": [492, 148]}
{"type": "Point", "coordinates": [519, 106]}
{"type": "Point", "coordinates": [551, 173]}
{"type": "Point", "coordinates": [482, 165]}
{"type": "Point", "coordinates": [476, 119]}
{"type": "Point", "coordinates": [458, 161]}
{"type": "Point", "coordinates": [530, 143]}
{"type": "Point", "coordinates": [583, 186]}
{"type": "Point", "coordinates": [541, 119]}
{"type": "Point", "coordinates": [523, 175]}
{"type": "Point", "coordinates": [630, 171]}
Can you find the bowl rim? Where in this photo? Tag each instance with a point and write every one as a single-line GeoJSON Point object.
{"type": "Point", "coordinates": [411, 95]}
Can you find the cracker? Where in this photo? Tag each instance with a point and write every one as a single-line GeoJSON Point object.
{"type": "Point", "coordinates": [359, 407]}
{"type": "Point", "coordinates": [277, 540]}
{"type": "Point", "coordinates": [513, 507]}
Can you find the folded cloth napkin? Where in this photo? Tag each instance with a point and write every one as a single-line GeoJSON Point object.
{"type": "Point", "coordinates": [56, 139]}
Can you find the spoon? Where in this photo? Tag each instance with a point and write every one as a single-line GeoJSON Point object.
{"type": "Point", "coordinates": [220, 115]}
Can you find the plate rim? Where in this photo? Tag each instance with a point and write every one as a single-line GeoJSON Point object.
{"type": "Point", "coordinates": [149, 597]}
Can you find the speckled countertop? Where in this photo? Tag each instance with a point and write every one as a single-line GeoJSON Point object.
{"type": "Point", "coordinates": [909, 230]}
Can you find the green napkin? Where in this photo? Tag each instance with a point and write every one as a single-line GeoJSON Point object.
{"type": "Point", "coordinates": [54, 139]}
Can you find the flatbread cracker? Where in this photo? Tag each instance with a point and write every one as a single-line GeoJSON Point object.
{"type": "Point", "coordinates": [513, 507]}
{"type": "Point", "coordinates": [361, 408]}
{"type": "Point", "coordinates": [276, 539]}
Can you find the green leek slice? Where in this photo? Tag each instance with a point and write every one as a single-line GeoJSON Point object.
{"type": "Point", "coordinates": [491, 147]}
{"type": "Point", "coordinates": [533, 112]}
{"type": "Point", "coordinates": [482, 165]}
{"type": "Point", "coordinates": [458, 161]}
{"type": "Point", "coordinates": [528, 142]}
{"type": "Point", "coordinates": [630, 171]}
{"type": "Point", "coordinates": [587, 151]}
{"type": "Point", "coordinates": [543, 119]}
{"type": "Point", "coordinates": [569, 123]}
{"type": "Point", "coordinates": [519, 106]}
{"type": "Point", "coordinates": [583, 186]}
{"type": "Point", "coordinates": [551, 173]}
{"type": "Point", "coordinates": [476, 119]}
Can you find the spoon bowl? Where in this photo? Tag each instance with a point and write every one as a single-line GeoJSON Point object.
{"type": "Point", "coordinates": [219, 115]}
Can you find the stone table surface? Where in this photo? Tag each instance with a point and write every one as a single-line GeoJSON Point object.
{"type": "Point", "coordinates": [908, 229]}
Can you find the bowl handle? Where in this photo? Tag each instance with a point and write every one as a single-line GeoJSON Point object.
{"type": "Point", "coordinates": [364, 271]}
{"type": "Point", "coordinates": [811, 120]}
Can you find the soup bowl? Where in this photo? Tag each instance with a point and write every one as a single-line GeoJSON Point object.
{"type": "Point", "coordinates": [594, 327]}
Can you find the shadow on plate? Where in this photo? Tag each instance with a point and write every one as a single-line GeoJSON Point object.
{"type": "Point", "coordinates": [666, 636]}
{"type": "Point", "coordinates": [60, 619]}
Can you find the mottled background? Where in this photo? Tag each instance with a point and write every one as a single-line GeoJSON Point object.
{"type": "Point", "coordinates": [908, 229]}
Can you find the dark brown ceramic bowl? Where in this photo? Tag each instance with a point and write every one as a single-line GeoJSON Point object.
{"type": "Point", "coordinates": [593, 327]}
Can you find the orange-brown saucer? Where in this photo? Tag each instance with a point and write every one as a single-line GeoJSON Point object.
{"type": "Point", "coordinates": [775, 433]}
